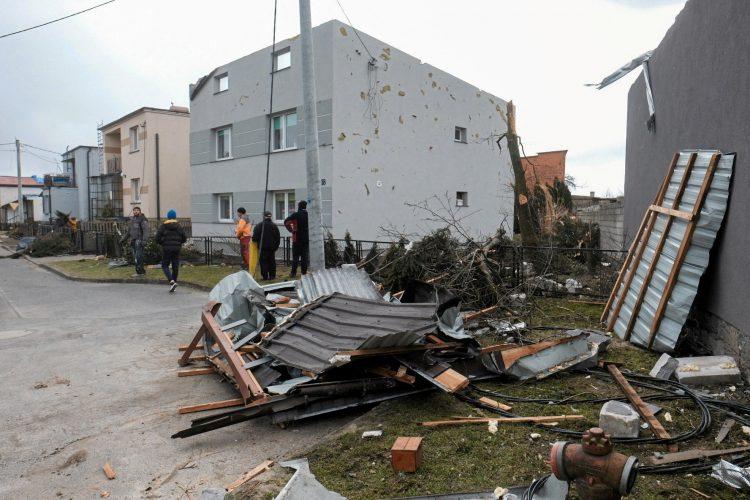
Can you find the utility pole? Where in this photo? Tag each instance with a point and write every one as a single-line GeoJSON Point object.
{"type": "Point", "coordinates": [314, 208]}
{"type": "Point", "coordinates": [20, 212]}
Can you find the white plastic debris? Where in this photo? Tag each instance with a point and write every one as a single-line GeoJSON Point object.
{"type": "Point", "coordinates": [492, 426]}
{"type": "Point", "coordinates": [535, 435]}
{"type": "Point", "coordinates": [339, 359]}
{"type": "Point", "coordinates": [732, 475]}
{"type": "Point", "coordinates": [372, 434]}
{"type": "Point", "coordinates": [668, 417]}
{"type": "Point", "coordinates": [573, 286]}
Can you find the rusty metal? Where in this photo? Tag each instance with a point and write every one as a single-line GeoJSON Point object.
{"type": "Point", "coordinates": [598, 472]}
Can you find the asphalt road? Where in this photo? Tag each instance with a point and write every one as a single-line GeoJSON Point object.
{"type": "Point", "coordinates": [88, 376]}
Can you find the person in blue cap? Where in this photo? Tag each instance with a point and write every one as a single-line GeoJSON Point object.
{"type": "Point", "coordinates": [171, 237]}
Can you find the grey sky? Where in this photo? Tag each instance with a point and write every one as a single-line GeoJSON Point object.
{"type": "Point", "coordinates": [59, 81]}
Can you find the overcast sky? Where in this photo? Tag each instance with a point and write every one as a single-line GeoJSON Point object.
{"type": "Point", "coordinates": [59, 81]}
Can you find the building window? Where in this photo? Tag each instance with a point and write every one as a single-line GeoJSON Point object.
{"type": "Point", "coordinates": [462, 199]}
{"type": "Point", "coordinates": [283, 205]}
{"type": "Point", "coordinates": [134, 139]}
{"type": "Point", "coordinates": [285, 131]}
{"type": "Point", "coordinates": [135, 190]}
{"type": "Point", "coordinates": [460, 134]}
{"type": "Point", "coordinates": [225, 208]}
{"type": "Point", "coordinates": [222, 83]}
{"type": "Point", "coordinates": [282, 59]}
{"type": "Point", "coordinates": [224, 143]}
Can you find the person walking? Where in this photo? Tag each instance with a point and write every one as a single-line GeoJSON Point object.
{"type": "Point", "coordinates": [137, 234]}
{"type": "Point", "coordinates": [243, 231]}
{"type": "Point", "coordinates": [297, 225]}
{"type": "Point", "coordinates": [171, 237]}
{"type": "Point", "coordinates": [267, 236]}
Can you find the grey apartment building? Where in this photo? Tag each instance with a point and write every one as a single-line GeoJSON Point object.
{"type": "Point", "coordinates": [393, 132]}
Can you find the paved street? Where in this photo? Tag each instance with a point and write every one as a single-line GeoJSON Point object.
{"type": "Point", "coordinates": [88, 377]}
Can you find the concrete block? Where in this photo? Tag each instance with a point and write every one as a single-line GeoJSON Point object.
{"type": "Point", "coordinates": [664, 367]}
{"type": "Point", "coordinates": [619, 419]}
{"type": "Point", "coordinates": [708, 370]}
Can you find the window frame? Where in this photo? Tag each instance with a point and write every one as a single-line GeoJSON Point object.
{"type": "Point", "coordinates": [135, 145]}
{"type": "Point", "coordinates": [217, 83]}
{"type": "Point", "coordinates": [227, 128]}
{"type": "Point", "coordinates": [464, 199]}
{"type": "Point", "coordinates": [219, 196]}
{"type": "Point", "coordinates": [284, 116]}
{"type": "Point", "coordinates": [286, 194]}
{"type": "Point", "coordinates": [461, 134]}
{"type": "Point", "coordinates": [277, 54]}
{"type": "Point", "coordinates": [135, 194]}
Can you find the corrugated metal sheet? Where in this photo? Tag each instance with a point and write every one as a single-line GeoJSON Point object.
{"type": "Point", "coordinates": [311, 336]}
{"type": "Point", "coordinates": [346, 279]}
{"type": "Point", "coordinates": [696, 259]}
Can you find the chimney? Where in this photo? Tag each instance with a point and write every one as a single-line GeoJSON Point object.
{"type": "Point", "coordinates": [592, 193]}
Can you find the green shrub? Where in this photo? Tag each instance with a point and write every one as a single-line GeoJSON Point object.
{"type": "Point", "coordinates": [51, 244]}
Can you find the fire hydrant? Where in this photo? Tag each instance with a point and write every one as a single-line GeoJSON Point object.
{"type": "Point", "coordinates": [598, 472]}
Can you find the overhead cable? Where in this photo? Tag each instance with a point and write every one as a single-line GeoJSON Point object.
{"type": "Point", "coordinates": [56, 20]}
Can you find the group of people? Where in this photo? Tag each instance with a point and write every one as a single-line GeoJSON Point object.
{"type": "Point", "coordinates": [171, 236]}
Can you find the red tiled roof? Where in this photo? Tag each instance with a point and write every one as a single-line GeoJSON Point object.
{"type": "Point", "coordinates": [8, 180]}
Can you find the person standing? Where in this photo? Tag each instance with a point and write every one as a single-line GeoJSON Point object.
{"type": "Point", "coordinates": [171, 237]}
{"type": "Point", "coordinates": [297, 225]}
{"type": "Point", "coordinates": [267, 236]}
{"type": "Point", "coordinates": [138, 234]}
{"type": "Point", "coordinates": [243, 231]}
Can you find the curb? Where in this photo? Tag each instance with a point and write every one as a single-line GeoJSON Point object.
{"type": "Point", "coordinates": [140, 281]}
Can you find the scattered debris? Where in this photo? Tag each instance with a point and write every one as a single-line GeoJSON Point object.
{"type": "Point", "coordinates": [619, 419]}
{"type": "Point", "coordinates": [724, 430]}
{"type": "Point", "coordinates": [707, 370]}
{"type": "Point", "coordinates": [509, 420]}
{"type": "Point", "coordinates": [109, 471]}
{"type": "Point", "coordinates": [492, 426]}
{"type": "Point", "coordinates": [75, 459]}
{"type": "Point", "coordinates": [372, 434]}
{"type": "Point", "coordinates": [303, 485]}
{"type": "Point", "coordinates": [732, 475]}
{"type": "Point", "coordinates": [535, 435]}
{"type": "Point", "coordinates": [406, 454]}
{"type": "Point", "coordinates": [664, 368]}
{"type": "Point", "coordinates": [252, 473]}
{"type": "Point", "coordinates": [686, 456]}
{"type": "Point", "coordinates": [668, 417]}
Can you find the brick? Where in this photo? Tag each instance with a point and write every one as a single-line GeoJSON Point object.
{"type": "Point", "coordinates": [619, 419]}
{"type": "Point", "coordinates": [406, 454]}
{"type": "Point", "coordinates": [708, 370]}
{"type": "Point", "coordinates": [664, 367]}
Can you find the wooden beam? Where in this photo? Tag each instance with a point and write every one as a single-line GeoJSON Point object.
{"type": "Point", "coordinates": [510, 356]}
{"type": "Point", "coordinates": [196, 371]}
{"type": "Point", "coordinates": [211, 307]}
{"type": "Point", "coordinates": [495, 404]}
{"type": "Point", "coordinates": [640, 406]}
{"type": "Point", "coordinates": [396, 375]}
{"type": "Point", "coordinates": [670, 211]}
{"type": "Point", "coordinates": [511, 420]}
{"type": "Point", "coordinates": [685, 456]}
{"type": "Point", "coordinates": [480, 313]}
{"type": "Point", "coordinates": [256, 471]}
{"type": "Point", "coordinates": [659, 247]}
{"type": "Point", "coordinates": [682, 251]}
{"type": "Point", "coordinates": [185, 347]}
{"type": "Point", "coordinates": [636, 251]}
{"type": "Point", "coordinates": [228, 403]}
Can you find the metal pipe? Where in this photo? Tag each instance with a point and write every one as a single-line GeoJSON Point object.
{"type": "Point", "coordinates": [21, 209]}
{"type": "Point", "coordinates": [158, 193]}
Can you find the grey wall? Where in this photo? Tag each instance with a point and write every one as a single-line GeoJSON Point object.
{"type": "Point", "coordinates": [700, 76]}
{"type": "Point", "coordinates": [63, 199]}
{"type": "Point", "coordinates": [609, 216]}
{"type": "Point", "coordinates": [79, 156]}
{"type": "Point", "coordinates": [398, 145]}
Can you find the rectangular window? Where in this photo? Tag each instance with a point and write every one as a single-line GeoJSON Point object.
{"type": "Point", "coordinates": [462, 199]}
{"type": "Point", "coordinates": [225, 208]}
{"type": "Point", "coordinates": [222, 82]}
{"type": "Point", "coordinates": [285, 131]}
{"type": "Point", "coordinates": [135, 190]}
{"type": "Point", "coordinates": [283, 205]}
{"type": "Point", "coordinates": [282, 59]}
{"type": "Point", "coordinates": [224, 143]}
{"type": "Point", "coordinates": [134, 138]}
{"type": "Point", "coordinates": [460, 134]}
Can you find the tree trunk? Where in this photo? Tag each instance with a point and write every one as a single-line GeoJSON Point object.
{"type": "Point", "coordinates": [523, 210]}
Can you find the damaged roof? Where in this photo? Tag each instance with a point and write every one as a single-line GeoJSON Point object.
{"type": "Point", "coordinates": [346, 279]}
{"type": "Point", "coordinates": [314, 334]}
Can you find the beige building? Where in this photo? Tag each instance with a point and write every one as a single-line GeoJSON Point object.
{"type": "Point", "coordinates": [149, 148]}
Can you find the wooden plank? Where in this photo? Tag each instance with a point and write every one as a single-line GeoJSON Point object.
{"type": "Point", "coordinates": [682, 251]}
{"type": "Point", "coordinates": [480, 313]}
{"type": "Point", "coordinates": [183, 348]}
{"type": "Point", "coordinates": [640, 406]}
{"type": "Point", "coordinates": [196, 371]}
{"type": "Point", "coordinates": [511, 420]}
{"type": "Point", "coordinates": [686, 456]}
{"type": "Point", "coordinates": [227, 403]}
{"type": "Point", "coordinates": [671, 211]}
{"type": "Point", "coordinates": [510, 356]}
{"type": "Point", "coordinates": [109, 471]}
{"type": "Point", "coordinates": [256, 471]}
{"type": "Point", "coordinates": [644, 228]}
{"type": "Point", "coordinates": [495, 404]}
{"type": "Point", "coordinates": [452, 381]}
{"type": "Point", "coordinates": [659, 247]}
{"type": "Point", "coordinates": [385, 372]}
{"type": "Point", "coordinates": [212, 307]}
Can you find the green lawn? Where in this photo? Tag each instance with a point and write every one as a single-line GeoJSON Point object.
{"type": "Point", "coordinates": [469, 458]}
{"type": "Point", "coordinates": [199, 274]}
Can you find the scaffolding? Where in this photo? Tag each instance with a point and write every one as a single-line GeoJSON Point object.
{"type": "Point", "coordinates": [106, 196]}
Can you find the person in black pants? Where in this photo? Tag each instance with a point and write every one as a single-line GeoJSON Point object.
{"type": "Point", "coordinates": [267, 236]}
{"type": "Point", "coordinates": [297, 225]}
{"type": "Point", "coordinates": [171, 236]}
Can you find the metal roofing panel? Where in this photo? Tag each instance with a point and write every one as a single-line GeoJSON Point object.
{"type": "Point", "coordinates": [311, 336]}
{"type": "Point", "coordinates": [346, 279]}
{"type": "Point", "coordinates": [696, 258]}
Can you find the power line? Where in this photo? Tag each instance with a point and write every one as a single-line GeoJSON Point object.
{"type": "Point", "coordinates": [42, 157]}
{"type": "Point", "coordinates": [41, 149]}
{"type": "Point", "coordinates": [56, 20]}
{"type": "Point", "coordinates": [355, 30]}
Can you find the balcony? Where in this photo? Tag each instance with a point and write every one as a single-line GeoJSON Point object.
{"type": "Point", "coordinates": [114, 165]}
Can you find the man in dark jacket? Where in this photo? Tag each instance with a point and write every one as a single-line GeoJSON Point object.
{"type": "Point", "coordinates": [267, 236]}
{"type": "Point", "coordinates": [297, 225]}
{"type": "Point", "coordinates": [138, 234]}
{"type": "Point", "coordinates": [171, 236]}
